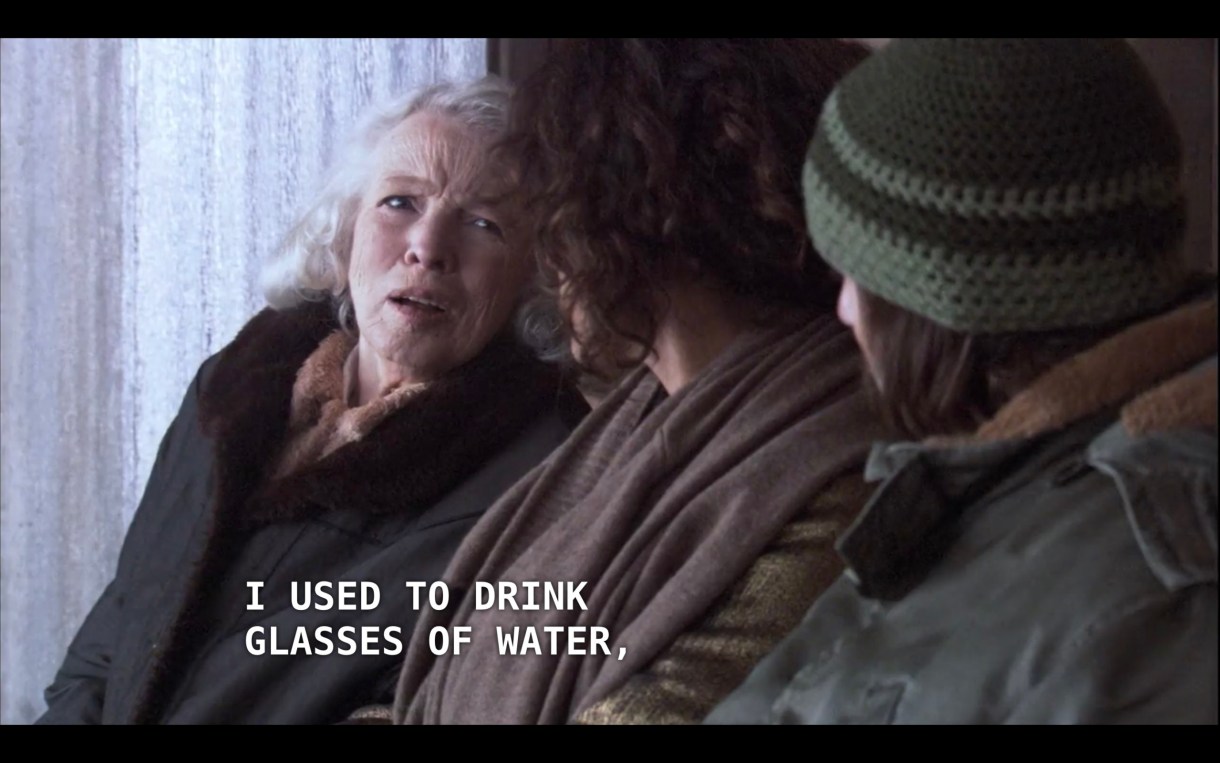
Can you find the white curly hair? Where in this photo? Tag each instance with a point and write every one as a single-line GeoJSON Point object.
{"type": "Point", "coordinates": [311, 261]}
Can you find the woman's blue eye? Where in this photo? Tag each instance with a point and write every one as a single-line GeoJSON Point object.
{"type": "Point", "coordinates": [401, 202]}
{"type": "Point", "coordinates": [484, 224]}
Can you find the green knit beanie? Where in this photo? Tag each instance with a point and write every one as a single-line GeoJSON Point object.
{"type": "Point", "coordinates": [1001, 185]}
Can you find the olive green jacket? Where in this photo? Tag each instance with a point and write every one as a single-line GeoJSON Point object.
{"type": "Point", "coordinates": [1057, 567]}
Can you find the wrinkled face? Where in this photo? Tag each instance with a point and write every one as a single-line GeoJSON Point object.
{"type": "Point", "coordinates": [432, 276]}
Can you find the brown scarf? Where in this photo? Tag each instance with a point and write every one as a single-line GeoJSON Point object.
{"type": "Point", "coordinates": [659, 507]}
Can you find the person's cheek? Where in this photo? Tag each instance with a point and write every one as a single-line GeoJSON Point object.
{"type": "Point", "coordinates": [848, 306]}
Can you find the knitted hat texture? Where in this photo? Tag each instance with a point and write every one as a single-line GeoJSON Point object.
{"type": "Point", "coordinates": [1001, 185]}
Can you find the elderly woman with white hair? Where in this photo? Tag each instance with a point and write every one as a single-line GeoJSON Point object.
{"type": "Point", "coordinates": [340, 447]}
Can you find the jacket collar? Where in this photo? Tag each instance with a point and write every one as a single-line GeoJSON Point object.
{"type": "Point", "coordinates": [440, 436]}
{"type": "Point", "coordinates": [1145, 361]}
{"type": "Point", "coordinates": [1148, 372]}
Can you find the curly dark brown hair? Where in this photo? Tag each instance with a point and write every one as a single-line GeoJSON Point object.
{"type": "Point", "coordinates": [645, 162]}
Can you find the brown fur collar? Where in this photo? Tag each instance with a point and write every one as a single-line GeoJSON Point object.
{"type": "Point", "coordinates": [1149, 364]}
{"type": "Point", "coordinates": [321, 380]}
{"type": "Point", "coordinates": [320, 398]}
{"type": "Point", "coordinates": [321, 418]}
{"type": "Point", "coordinates": [405, 464]}
{"type": "Point", "coordinates": [414, 457]}
{"type": "Point", "coordinates": [1186, 400]}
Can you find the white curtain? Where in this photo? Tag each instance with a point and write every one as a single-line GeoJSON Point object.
{"type": "Point", "coordinates": [142, 183]}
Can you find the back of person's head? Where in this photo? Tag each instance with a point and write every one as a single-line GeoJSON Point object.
{"type": "Point", "coordinates": [649, 162]}
{"type": "Point", "coordinates": [1000, 204]}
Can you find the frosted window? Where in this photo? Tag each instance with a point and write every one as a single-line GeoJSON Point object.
{"type": "Point", "coordinates": [142, 183]}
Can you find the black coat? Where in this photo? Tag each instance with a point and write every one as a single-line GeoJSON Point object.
{"type": "Point", "coordinates": [169, 640]}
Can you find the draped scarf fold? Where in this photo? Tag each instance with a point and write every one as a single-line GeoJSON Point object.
{"type": "Point", "coordinates": [658, 505]}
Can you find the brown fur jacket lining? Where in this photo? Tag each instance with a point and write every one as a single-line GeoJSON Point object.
{"type": "Point", "coordinates": [1147, 370]}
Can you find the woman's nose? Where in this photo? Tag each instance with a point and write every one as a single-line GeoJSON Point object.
{"type": "Point", "coordinates": [431, 242]}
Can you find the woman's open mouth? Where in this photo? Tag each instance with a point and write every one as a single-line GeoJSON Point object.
{"type": "Point", "coordinates": [417, 303]}
{"type": "Point", "coordinates": [419, 307]}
